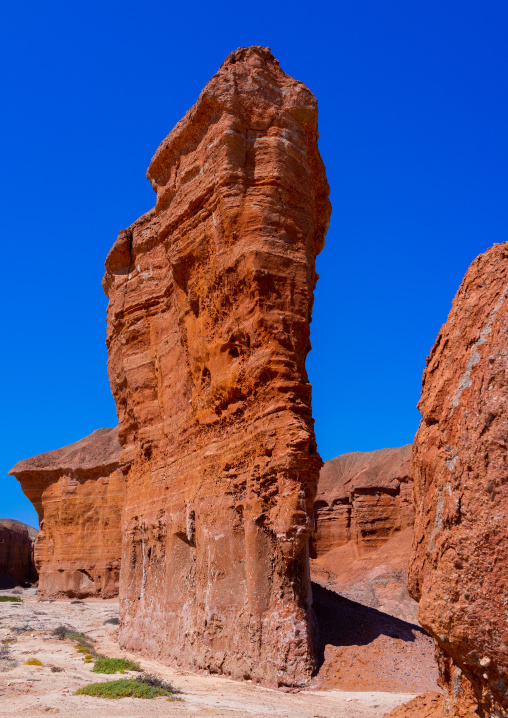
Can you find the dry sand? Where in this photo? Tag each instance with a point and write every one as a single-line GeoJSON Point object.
{"type": "Point", "coordinates": [37, 691]}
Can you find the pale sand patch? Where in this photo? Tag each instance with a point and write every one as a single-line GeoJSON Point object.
{"type": "Point", "coordinates": [37, 691]}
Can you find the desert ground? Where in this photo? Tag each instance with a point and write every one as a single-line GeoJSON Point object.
{"type": "Point", "coordinates": [25, 690]}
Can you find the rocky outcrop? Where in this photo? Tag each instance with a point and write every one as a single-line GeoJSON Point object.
{"type": "Point", "coordinates": [17, 566]}
{"type": "Point", "coordinates": [459, 568]}
{"type": "Point", "coordinates": [210, 299]}
{"type": "Point", "coordinates": [78, 492]}
{"type": "Point", "coordinates": [363, 529]}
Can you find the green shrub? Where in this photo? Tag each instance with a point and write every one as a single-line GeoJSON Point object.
{"type": "Point", "coordinates": [11, 599]}
{"type": "Point", "coordinates": [123, 688]}
{"type": "Point", "coordinates": [114, 665]}
{"type": "Point", "coordinates": [33, 662]}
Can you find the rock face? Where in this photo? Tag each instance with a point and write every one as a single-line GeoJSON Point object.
{"type": "Point", "coordinates": [459, 568]}
{"type": "Point", "coordinates": [16, 553]}
{"type": "Point", "coordinates": [78, 492]}
{"type": "Point", "coordinates": [210, 299]}
{"type": "Point", "coordinates": [363, 529]}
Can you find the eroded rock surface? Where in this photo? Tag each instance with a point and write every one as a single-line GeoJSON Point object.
{"type": "Point", "coordinates": [363, 529]}
{"type": "Point", "coordinates": [78, 493]}
{"type": "Point", "coordinates": [459, 568]}
{"type": "Point", "coordinates": [210, 299]}
{"type": "Point", "coordinates": [17, 567]}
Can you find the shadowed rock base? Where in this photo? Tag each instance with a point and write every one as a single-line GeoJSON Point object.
{"type": "Point", "coordinates": [17, 566]}
{"type": "Point", "coordinates": [210, 299]}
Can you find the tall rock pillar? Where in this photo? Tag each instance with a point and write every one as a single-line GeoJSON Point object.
{"type": "Point", "coordinates": [210, 301]}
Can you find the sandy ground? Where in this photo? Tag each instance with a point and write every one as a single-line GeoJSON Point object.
{"type": "Point", "coordinates": [25, 632]}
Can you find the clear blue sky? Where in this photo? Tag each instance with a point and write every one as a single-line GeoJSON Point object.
{"type": "Point", "coordinates": [413, 125]}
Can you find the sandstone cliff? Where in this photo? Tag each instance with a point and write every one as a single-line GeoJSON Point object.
{"type": "Point", "coordinates": [17, 565]}
{"type": "Point", "coordinates": [363, 529]}
{"type": "Point", "coordinates": [459, 568]}
{"type": "Point", "coordinates": [210, 299]}
{"type": "Point", "coordinates": [78, 492]}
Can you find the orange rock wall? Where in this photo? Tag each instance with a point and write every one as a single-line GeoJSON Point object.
{"type": "Point", "coordinates": [363, 529]}
{"type": "Point", "coordinates": [78, 493]}
{"type": "Point", "coordinates": [365, 498]}
{"type": "Point", "coordinates": [459, 569]}
{"type": "Point", "coordinates": [210, 300]}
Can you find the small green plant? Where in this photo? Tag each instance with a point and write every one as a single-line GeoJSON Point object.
{"type": "Point", "coordinates": [10, 599]}
{"type": "Point", "coordinates": [114, 665]}
{"type": "Point", "coordinates": [83, 644]}
{"type": "Point", "coordinates": [123, 688]}
{"type": "Point", "coordinates": [33, 662]}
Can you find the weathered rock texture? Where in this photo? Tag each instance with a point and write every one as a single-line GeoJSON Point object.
{"type": "Point", "coordinates": [16, 553]}
{"type": "Point", "coordinates": [78, 492]}
{"type": "Point", "coordinates": [363, 529]}
{"type": "Point", "coordinates": [459, 568]}
{"type": "Point", "coordinates": [210, 299]}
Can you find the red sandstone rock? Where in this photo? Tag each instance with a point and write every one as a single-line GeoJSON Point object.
{"type": "Point", "coordinates": [16, 553]}
{"type": "Point", "coordinates": [428, 705]}
{"type": "Point", "coordinates": [459, 568]}
{"type": "Point", "coordinates": [78, 492]}
{"type": "Point", "coordinates": [362, 540]}
{"type": "Point", "coordinates": [210, 299]}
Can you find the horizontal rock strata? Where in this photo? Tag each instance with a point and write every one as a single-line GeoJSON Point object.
{"type": "Point", "coordinates": [363, 529]}
{"type": "Point", "coordinates": [459, 568]}
{"type": "Point", "coordinates": [78, 492]}
{"type": "Point", "coordinates": [210, 299]}
{"type": "Point", "coordinates": [17, 567]}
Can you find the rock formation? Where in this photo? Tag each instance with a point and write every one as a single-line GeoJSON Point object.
{"type": "Point", "coordinates": [17, 566]}
{"type": "Point", "coordinates": [363, 529]}
{"type": "Point", "coordinates": [459, 568]}
{"type": "Point", "coordinates": [78, 492]}
{"type": "Point", "coordinates": [210, 299]}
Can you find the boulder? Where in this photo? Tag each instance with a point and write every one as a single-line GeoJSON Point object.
{"type": "Point", "coordinates": [78, 492]}
{"type": "Point", "coordinates": [210, 300]}
{"type": "Point", "coordinates": [17, 566]}
{"type": "Point", "coordinates": [459, 565]}
{"type": "Point", "coordinates": [363, 529]}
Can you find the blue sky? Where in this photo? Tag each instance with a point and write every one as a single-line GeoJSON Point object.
{"type": "Point", "coordinates": [413, 117]}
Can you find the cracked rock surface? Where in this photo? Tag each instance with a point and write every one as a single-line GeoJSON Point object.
{"type": "Point", "coordinates": [459, 568]}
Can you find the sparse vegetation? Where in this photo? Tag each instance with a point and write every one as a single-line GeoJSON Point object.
{"type": "Point", "coordinates": [33, 662]}
{"type": "Point", "coordinates": [10, 599]}
{"type": "Point", "coordinates": [114, 665]}
{"type": "Point", "coordinates": [123, 688]}
{"type": "Point", "coordinates": [83, 643]}
{"type": "Point", "coordinates": [156, 682]}
{"type": "Point", "coordinates": [61, 632]}
{"type": "Point", "coordinates": [56, 669]}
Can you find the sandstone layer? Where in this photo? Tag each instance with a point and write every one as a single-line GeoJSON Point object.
{"type": "Point", "coordinates": [17, 565]}
{"type": "Point", "coordinates": [363, 529]}
{"type": "Point", "coordinates": [210, 299]}
{"type": "Point", "coordinates": [78, 493]}
{"type": "Point", "coordinates": [459, 567]}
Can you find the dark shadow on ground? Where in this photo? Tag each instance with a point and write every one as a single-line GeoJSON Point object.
{"type": "Point", "coordinates": [342, 622]}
